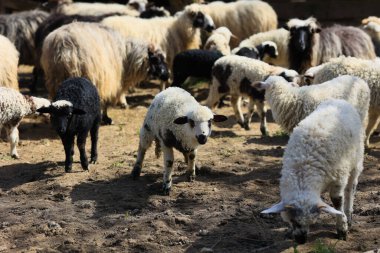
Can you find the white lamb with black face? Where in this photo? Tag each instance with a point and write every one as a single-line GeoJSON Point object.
{"type": "Point", "coordinates": [175, 120]}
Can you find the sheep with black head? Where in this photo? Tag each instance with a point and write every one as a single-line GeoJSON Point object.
{"type": "Point", "coordinates": [175, 120]}
{"type": "Point", "coordinates": [75, 111]}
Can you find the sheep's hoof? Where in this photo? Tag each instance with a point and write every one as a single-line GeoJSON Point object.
{"type": "Point", "coordinates": [124, 106]}
{"type": "Point", "coordinates": [106, 121]}
{"type": "Point", "coordinates": [166, 189]}
{"type": "Point", "coordinates": [246, 126]}
{"type": "Point", "coordinates": [93, 160]}
{"type": "Point", "coordinates": [68, 169]}
{"type": "Point", "coordinates": [264, 132]}
{"type": "Point", "coordinates": [241, 124]}
{"type": "Point", "coordinates": [136, 172]}
{"type": "Point", "coordinates": [85, 167]}
{"type": "Point", "coordinates": [15, 156]}
{"type": "Point", "coordinates": [342, 235]}
{"type": "Point", "coordinates": [191, 177]}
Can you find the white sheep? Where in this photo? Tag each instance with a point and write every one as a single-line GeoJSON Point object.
{"type": "Point", "coordinates": [110, 61]}
{"type": "Point", "coordinates": [235, 75]}
{"type": "Point", "coordinates": [13, 107]}
{"type": "Point", "coordinates": [243, 18]}
{"type": "Point", "coordinates": [279, 36]}
{"type": "Point", "coordinates": [219, 40]}
{"type": "Point", "coordinates": [324, 153]}
{"type": "Point", "coordinates": [68, 7]}
{"type": "Point", "coordinates": [368, 70]}
{"type": "Point", "coordinates": [371, 26]}
{"type": "Point", "coordinates": [175, 120]}
{"type": "Point", "coordinates": [290, 104]}
{"type": "Point", "coordinates": [8, 63]}
{"type": "Point", "coordinates": [172, 34]}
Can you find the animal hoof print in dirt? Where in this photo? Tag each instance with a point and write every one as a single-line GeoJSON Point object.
{"type": "Point", "coordinates": [136, 172]}
{"type": "Point", "coordinates": [342, 235]}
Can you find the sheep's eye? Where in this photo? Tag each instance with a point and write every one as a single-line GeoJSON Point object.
{"type": "Point", "coordinates": [192, 123]}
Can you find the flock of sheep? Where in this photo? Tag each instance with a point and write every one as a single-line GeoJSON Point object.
{"type": "Point", "coordinates": [322, 85]}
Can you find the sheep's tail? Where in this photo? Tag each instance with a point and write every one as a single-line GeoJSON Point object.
{"type": "Point", "coordinates": [157, 150]}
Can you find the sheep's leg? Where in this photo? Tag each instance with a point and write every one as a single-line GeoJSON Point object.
{"type": "Point", "coordinates": [213, 94]}
{"type": "Point", "coordinates": [168, 165]}
{"type": "Point", "coordinates": [337, 197]}
{"type": "Point", "coordinates": [262, 111]}
{"type": "Point", "coordinates": [236, 105]}
{"type": "Point", "coordinates": [68, 144]}
{"type": "Point", "coordinates": [81, 143]}
{"type": "Point", "coordinates": [350, 192]}
{"type": "Point", "coordinates": [373, 122]}
{"type": "Point", "coordinates": [94, 141]}
{"type": "Point", "coordinates": [13, 138]}
{"type": "Point", "coordinates": [146, 139]}
{"type": "Point", "coordinates": [248, 118]}
{"type": "Point", "coordinates": [192, 155]}
{"type": "Point", "coordinates": [105, 119]}
{"type": "Point", "coordinates": [123, 101]}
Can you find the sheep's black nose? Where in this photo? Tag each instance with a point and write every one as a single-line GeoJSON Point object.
{"type": "Point", "coordinates": [202, 139]}
{"type": "Point", "coordinates": [210, 28]}
{"type": "Point", "coordinates": [164, 75]}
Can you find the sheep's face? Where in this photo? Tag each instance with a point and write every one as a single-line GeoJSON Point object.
{"type": "Point", "coordinates": [301, 33]}
{"type": "Point", "coordinates": [157, 65]}
{"type": "Point", "coordinates": [61, 112]}
{"type": "Point", "coordinates": [270, 48]}
{"type": "Point", "coordinates": [292, 77]}
{"type": "Point", "coordinates": [199, 123]}
{"type": "Point", "coordinates": [202, 20]}
{"type": "Point", "coordinates": [300, 219]}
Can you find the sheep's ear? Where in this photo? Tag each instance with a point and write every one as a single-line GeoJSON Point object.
{"type": "Point", "coordinates": [259, 86]}
{"type": "Point", "coordinates": [181, 120]}
{"type": "Point", "coordinates": [277, 208]}
{"type": "Point", "coordinates": [328, 209]}
{"type": "Point", "coordinates": [78, 111]}
{"type": "Point", "coordinates": [44, 110]}
{"type": "Point", "coordinates": [219, 118]}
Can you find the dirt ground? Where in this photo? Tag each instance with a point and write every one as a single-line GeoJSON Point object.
{"type": "Point", "coordinates": [44, 209]}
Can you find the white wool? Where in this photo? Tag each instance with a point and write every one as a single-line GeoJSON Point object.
{"type": "Point", "coordinates": [62, 103]}
{"type": "Point", "coordinates": [94, 9]}
{"type": "Point", "coordinates": [219, 41]}
{"type": "Point", "coordinates": [297, 23]}
{"type": "Point", "coordinates": [279, 36]}
{"type": "Point", "coordinates": [8, 63]}
{"type": "Point", "coordinates": [326, 148]}
{"type": "Point", "coordinates": [291, 104]}
{"type": "Point", "coordinates": [368, 70]}
{"type": "Point", "coordinates": [13, 107]}
{"type": "Point", "coordinates": [171, 104]}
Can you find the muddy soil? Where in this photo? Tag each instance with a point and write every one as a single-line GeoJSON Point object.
{"type": "Point", "coordinates": [44, 209]}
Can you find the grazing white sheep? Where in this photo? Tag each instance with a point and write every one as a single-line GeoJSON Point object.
{"type": "Point", "coordinates": [243, 18]}
{"type": "Point", "coordinates": [219, 41]}
{"type": "Point", "coordinates": [235, 75]}
{"type": "Point", "coordinates": [175, 120]}
{"type": "Point", "coordinates": [172, 34]}
{"type": "Point", "coordinates": [110, 61]}
{"type": "Point", "coordinates": [8, 63]}
{"type": "Point", "coordinates": [368, 70]}
{"type": "Point", "coordinates": [324, 153]}
{"type": "Point", "coordinates": [13, 107]}
{"type": "Point", "coordinates": [279, 36]}
{"type": "Point", "coordinates": [289, 104]}
{"type": "Point", "coordinates": [68, 7]}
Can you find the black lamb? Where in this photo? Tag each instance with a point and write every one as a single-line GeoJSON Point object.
{"type": "Point", "coordinates": [75, 111]}
{"type": "Point", "coordinates": [193, 63]}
